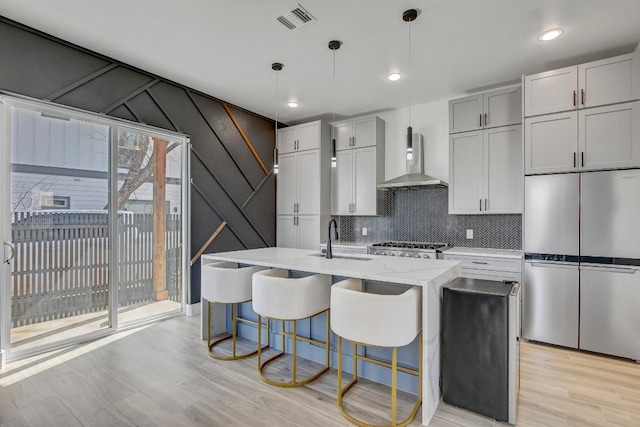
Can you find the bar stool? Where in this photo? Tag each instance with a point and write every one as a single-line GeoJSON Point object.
{"type": "Point", "coordinates": [376, 320]}
{"type": "Point", "coordinates": [226, 283]}
{"type": "Point", "coordinates": [277, 296]}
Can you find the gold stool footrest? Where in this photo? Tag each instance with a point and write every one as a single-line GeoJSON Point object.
{"type": "Point", "coordinates": [233, 336]}
{"type": "Point", "coordinates": [294, 381]}
{"type": "Point", "coordinates": [342, 391]}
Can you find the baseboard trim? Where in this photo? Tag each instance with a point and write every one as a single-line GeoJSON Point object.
{"type": "Point", "coordinates": [193, 309]}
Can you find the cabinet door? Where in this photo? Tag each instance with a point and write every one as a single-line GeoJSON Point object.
{"type": "Point", "coordinates": [610, 136]}
{"type": "Point", "coordinates": [609, 81]}
{"type": "Point", "coordinates": [308, 182]}
{"type": "Point", "coordinates": [287, 231]}
{"type": "Point", "coordinates": [365, 191]}
{"type": "Point", "coordinates": [287, 182]}
{"type": "Point", "coordinates": [465, 173]}
{"type": "Point", "coordinates": [308, 232]}
{"type": "Point", "coordinates": [364, 132]}
{"type": "Point", "coordinates": [503, 170]}
{"type": "Point", "coordinates": [287, 139]}
{"type": "Point", "coordinates": [465, 114]}
{"type": "Point", "coordinates": [342, 184]}
{"type": "Point", "coordinates": [309, 136]}
{"type": "Point", "coordinates": [551, 91]}
{"type": "Point", "coordinates": [503, 107]}
{"type": "Point", "coordinates": [343, 132]}
{"type": "Point", "coordinates": [551, 143]}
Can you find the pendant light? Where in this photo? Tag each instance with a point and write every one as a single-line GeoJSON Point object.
{"type": "Point", "coordinates": [334, 45]}
{"type": "Point", "coordinates": [409, 16]}
{"type": "Point", "coordinates": [276, 66]}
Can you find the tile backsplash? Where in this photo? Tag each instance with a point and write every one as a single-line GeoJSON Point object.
{"type": "Point", "coordinates": [422, 215]}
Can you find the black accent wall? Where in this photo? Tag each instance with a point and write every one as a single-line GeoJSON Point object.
{"type": "Point", "coordinates": [228, 184]}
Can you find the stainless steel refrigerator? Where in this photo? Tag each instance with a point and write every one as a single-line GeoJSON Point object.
{"type": "Point", "coordinates": [582, 261]}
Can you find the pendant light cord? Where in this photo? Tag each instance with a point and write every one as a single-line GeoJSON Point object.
{"type": "Point", "coordinates": [410, 74]}
{"type": "Point", "coordinates": [334, 85]}
{"type": "Point", "coordinates": [277, 72]}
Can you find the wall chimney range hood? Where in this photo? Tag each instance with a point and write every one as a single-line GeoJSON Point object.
{"type": "Point", "coordinates": [415, 177]}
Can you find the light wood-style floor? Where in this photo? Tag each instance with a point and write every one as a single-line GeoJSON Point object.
{"type": "Point", "coordinates": [161, 375]}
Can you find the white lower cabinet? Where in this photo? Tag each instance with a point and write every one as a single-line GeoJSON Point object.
{"type": "Point", "coordinates": [301, 232]}
{"type": "Point", "coordinates": [488, 267]}
{"type": "Point", "coordinates": [485, 171]}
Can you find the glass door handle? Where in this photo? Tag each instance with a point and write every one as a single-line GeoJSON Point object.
{"type": "Point", "coordinates": [13, 252]}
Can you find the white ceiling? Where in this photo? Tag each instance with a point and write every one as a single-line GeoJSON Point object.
{"type": "Point", "coordinates": [225, 47]}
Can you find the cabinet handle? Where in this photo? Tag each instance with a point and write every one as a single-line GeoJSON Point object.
{"type": "Point", "coordinates": [485, 119]}
{"type": "Point", "coordinates": [480, 205]}
{"type": "Point", "coordinates": [479, 262]}
{"type": "Point", "coordinates": [480, 119]}
{"type": "Point", "coordinates": [574, 159]}
{"type": "Point", "coordinates": [354, 141]}
{"type": "Point", "coordinates": [574, 98]}
{"type": "Point", "coordinates": [582, 158]}
{"type": "Point", "coordinates": [582, 96]}
{"type": "Point", "coordinates": [485, 204]}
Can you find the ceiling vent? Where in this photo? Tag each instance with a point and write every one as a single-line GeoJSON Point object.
{"type": "Point", "coordinates": [295, 18]}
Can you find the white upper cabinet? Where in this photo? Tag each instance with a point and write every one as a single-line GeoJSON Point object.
{"type": "Point", "coordinates": [360, 166]}
{"type": "Point", "coordinates": [356, 133]}
{"type": "Point", "coordinates": [591, 139]}
{"type": "Point", "coordinates": [609, 81]}
{"type": "Point", "coordinates": [465, 173]}
{"type": "Point", "coordinates": [551, 91]}
{"type": "Point", "coordinates": [300, 137]}
{"type": "Point", "coordinates": [502, 107]}
{"type": "Point", "coordinates": [465, 114]}
{"type": "Point", "coordinates": [486, 172]}
{"type": "Point", "coordinates": [597, 83]}
{"type": "Point", "coordinates": [287, 180]}
{"type": "Point", "coordinates": [551, 143]}
{"type": "Point", "coordinates": [487, 110]}
{"type": "Point", "coordinates": [502, 178]}
{"type": "Point", "coordinates": [609, 137]}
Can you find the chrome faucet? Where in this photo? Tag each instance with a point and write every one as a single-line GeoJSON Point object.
{"type": "Point", "coordinates": [329, 255]}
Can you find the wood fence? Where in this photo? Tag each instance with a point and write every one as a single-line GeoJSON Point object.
{"type": "Point", "coordinates": [61, 267]}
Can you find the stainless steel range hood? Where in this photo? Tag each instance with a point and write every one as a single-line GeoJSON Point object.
{"type": "Point", "coordinates": [415, 176]}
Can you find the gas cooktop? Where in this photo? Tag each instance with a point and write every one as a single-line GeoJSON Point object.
{"type": "Point", "coordinates": [408, 249]}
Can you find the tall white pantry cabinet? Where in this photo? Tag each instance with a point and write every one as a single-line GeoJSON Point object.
{"type": "Point", "coordinates": [303, 184]}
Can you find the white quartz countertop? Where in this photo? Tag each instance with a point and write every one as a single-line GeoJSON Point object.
{"type": "Point", "coordinates": [408, 271]}
{"type": "Point", "coordinates": [485, 252]}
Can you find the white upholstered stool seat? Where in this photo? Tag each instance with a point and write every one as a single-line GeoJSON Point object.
{"type": "Point", "coordinates": [379, 320]}
{"type": "Point", "coordinates": [280, 297]}
{"type": "Point", "coordinates": [226, 283]}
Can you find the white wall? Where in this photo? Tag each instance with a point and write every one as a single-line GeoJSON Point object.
{"type": "Point", "coordinates": [432, 121]}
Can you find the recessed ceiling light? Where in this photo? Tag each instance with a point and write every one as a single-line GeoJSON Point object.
{"type": "Point", "coordinates": [293, 104]}
{"type": "Point", "coordinates": [550, 34]}
{"type": "Point", "coordinates": [394, 77]}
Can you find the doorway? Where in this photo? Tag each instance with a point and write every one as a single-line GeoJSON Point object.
{"type": "Point", "coordinates": [94, 213]}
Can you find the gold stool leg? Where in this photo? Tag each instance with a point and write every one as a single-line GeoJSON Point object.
{"type": "Point", "coordinates": [234, 327]}
{"type": "Point", "coordinates": [295, 352]}
{"type": "Point", "coordinates": [339, 371]}
{"type": "Point", "coordinates": [394, 386]}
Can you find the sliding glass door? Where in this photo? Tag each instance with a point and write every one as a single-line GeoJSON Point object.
{"type": "Point", "coordinates": [92, 224]}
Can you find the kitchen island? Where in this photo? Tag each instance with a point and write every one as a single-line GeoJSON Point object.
{"type": "Point", "coordinates": [426, 273]}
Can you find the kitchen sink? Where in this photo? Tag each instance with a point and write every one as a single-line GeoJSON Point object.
{"type": "Point", "coordinates": [355, 258]}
